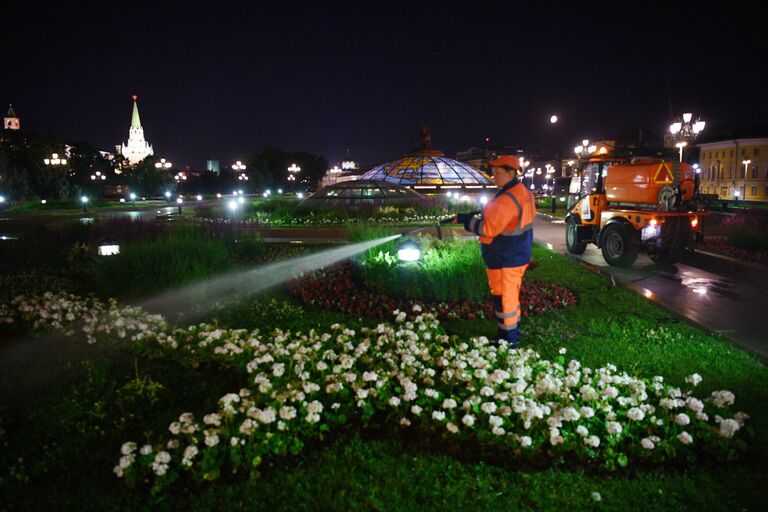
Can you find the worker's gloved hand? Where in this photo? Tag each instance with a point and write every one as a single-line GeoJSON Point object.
{"type": "Point", "coordinates": [464, 218]}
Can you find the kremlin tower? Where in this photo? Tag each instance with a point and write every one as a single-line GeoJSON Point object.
{"type": "Point", "coordinates": [11, 121]}
{"type": "Point", "coordinates": [137, 148]}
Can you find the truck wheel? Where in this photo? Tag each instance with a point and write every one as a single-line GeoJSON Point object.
{"type": "Point", "coordinates": [571, 243]}
{"type": "Point", "coordinates": [620, 249]}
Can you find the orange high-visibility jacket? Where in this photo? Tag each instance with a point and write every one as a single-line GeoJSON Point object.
{"type": "Point", "coordinates": [506, 227]}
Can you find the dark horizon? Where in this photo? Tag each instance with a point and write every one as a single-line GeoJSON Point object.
{"type": "Point", "coordinates": [216, 84]}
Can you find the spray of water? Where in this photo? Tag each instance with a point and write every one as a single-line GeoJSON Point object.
{"type": "Point", "coordinates": [196, 299]}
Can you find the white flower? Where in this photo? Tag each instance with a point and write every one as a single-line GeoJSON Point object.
{"type": "Point", "coordinates": [495, 421]}
{"type": "Point", "coordinates": [175, 428]}
{"type": "Point", "coordinates": [570, 414]}
{"type": "Point", "coordinates": [449, 403]}
{"type": "Point", "coordinates": [278, 369]}
{"type": "Point", "coordinates": [498, 431]}
{"type": "Point", "coordinates": [488, 407]}
{"type": "Point", "coordinates": [438, 415]}
{"type": "Point", "coordinates": [362, 393]}
{"type": "Point", "coordinates": [635, 414]}
{"type": "Point", "coordinates": [314, 407]}
{"type": "Point", "coordinates": [613, 427]}
{"type": "Point", "coordinates": [596, 496]}
{"type": "Point", "coordinates": [592, 441]}
{"type": "Point", "coordinates": [126, 461]}
{"type": "Point", "coordinates": [146, 449]}
{"type": "Point", "coordinates": [287, 412]}
{"type": "Point", "coordinates": [212, 419]}
{"type": "Point", "coordinates": [682, 419]}
{"type": "Point", "coordinates": [695, 404]}
{"type": "Point", "coordinates": [582, 430]}
{"type": "Point", "coordinates": [728, 428]}
{"type": "Point", "coordinates": [562, 351]}
{"type": "Point", "coordinates": [394, 401]}
{"type": "Point", "coordinates": [685, 438]}
{"type": "Point", "coordinates": [611, 392]}
{"type": "Point", "coordinates": [211, 440]}
{"type": "Point", "coordinates": [723, 398]}
{"type": "Point", "coordinates": [587, 412]}
{"type": "Point", "coordinates": [525, 441]}
{"type": "Point", "coordinates": [468, 420]}
{"type": "Point", "coordinates": [128, 448]}
{"type": "Point", "coordinates": [453, 429]}
{"type": "Point", "coordinates": [487, 391]}
{"type": "Point", "coordinates": [647, 444]}
{"type": "Point", "coordinates": [556, 440]}
{"type": "Point", "coordinates": [405, 422]}
{"type": "Point", "coordinates": [693, 379]}
{"type": "Point", "coordinates": [416, 410]}
{"type": "Point", "coordinates": [370, 376]}
{"type": "Point", "coordinates": [163, 457]}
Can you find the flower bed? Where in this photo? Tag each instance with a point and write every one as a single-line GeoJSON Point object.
{"type": "Point", "coordinates": [408, 372]}
{"type": "Point", "coordinates": [721, 245]}
{"type": "Point", "coordinates": [334, 288]}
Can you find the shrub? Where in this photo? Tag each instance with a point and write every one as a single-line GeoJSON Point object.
{"type": "Point", "coordinates": [446, 271]}
{"type": "Point", "coordinates": [148, 267]}
{"type": "Point", "coordinates": [747, 230]}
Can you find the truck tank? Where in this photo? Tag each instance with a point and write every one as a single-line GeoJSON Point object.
{"type": "Point", "coordinates": [648, 182]}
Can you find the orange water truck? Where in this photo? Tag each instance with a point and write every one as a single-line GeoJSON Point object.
{"type": "Point", "coordinates": [629, 203]}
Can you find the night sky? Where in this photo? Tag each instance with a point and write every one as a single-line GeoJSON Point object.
{"type": "Point", "coordinates": [215, 83]}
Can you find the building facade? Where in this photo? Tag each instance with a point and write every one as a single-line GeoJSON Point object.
{"type": "Point", "coordinates": [735, 168]}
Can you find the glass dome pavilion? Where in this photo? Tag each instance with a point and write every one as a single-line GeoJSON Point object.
{"type": "Point", "coordinates": [427, 168]}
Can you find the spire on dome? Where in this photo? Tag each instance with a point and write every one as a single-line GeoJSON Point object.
{"type": "Point", "coordinates": [135, 120]}
{"type": "Point", "coordinates": [11, 112]}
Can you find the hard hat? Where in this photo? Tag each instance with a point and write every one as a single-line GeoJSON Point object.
{"type": "Point", "coordinates": [509, 162]}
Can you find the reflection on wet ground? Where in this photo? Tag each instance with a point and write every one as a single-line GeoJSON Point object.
{"type": "Point", "coordinates": [703, 285]}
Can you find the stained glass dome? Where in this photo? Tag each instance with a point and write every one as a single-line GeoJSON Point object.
{"type": "Point", "coordinates": [425, 167]}
{"type": "Point", "coordinates": [416, 170]}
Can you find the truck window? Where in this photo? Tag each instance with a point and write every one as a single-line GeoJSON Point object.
{"type": "Point", "coordinates": [589, 177]}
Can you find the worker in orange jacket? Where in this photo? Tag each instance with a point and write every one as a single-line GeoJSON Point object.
{"type": "Point", "coordinates": [505, 231]}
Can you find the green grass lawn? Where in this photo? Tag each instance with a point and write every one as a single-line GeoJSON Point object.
{"type": "Point", "coordinates": [60, 435]}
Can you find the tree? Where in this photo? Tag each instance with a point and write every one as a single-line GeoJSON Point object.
{"type": "Point", "coordinates": [145, 179]}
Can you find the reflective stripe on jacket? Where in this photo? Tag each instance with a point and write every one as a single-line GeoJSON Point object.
{"type": "Point", "coordinates": [506, 227]}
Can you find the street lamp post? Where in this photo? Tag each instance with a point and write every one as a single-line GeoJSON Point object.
{"type": "Point", "coordinates": [746, 171]}
{"type": "Point", "coordinates": [584, 149]}
{"type": "Point", "coordinates": [293, 170]}
{"type": "Point", "coordinates": [685, 131]}
{"type": "Point", "coordinates": [55, 160]}
{"type": "Point", "coordinates": [163, 164]}
{"type": "Point", "coordinates": [551, 170]}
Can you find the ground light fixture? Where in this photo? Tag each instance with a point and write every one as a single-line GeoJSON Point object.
{"type": "Point", "coordinates": [199, 197]}
{"type": "Point", "coordinates": [84, 200]}
{"type": "Point", "coordinates": [299, 195]}
{"type": "Point", "coordinates": [2, 199]}
{"type": "Point", "coordinates": [408, 250]}
{"type": "Point", "coordinates": [232, 205]}
{"type": "Point", "coordinates": [108, 247]}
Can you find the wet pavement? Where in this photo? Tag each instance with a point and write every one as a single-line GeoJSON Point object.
{"type": "Point", "coordinates": [718, 293]}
